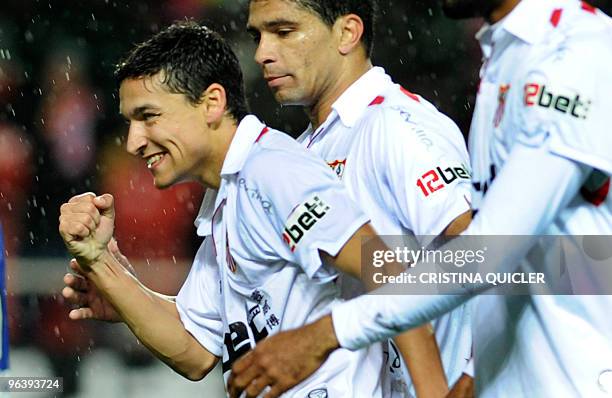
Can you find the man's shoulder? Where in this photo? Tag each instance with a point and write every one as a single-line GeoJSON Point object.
{"type": "Point", "coordinates": [400, 114]}
{"type": "Point", "coordinates": [276, 159]}
{"type": "Point", "coordinates": [580, 37]}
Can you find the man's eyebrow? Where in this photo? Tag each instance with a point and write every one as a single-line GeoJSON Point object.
{"type": "Point", "coordinates": [137, 112]}
{"type": "Point", "coordinates": [271, 25]}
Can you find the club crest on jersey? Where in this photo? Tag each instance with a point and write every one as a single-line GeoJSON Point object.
{"type": "Point", "coordinates": [545, 97]}
{"type": "Point", "coordinates": [501, 104]}
{"type": "Point", "coordinates": [338, 167]}
{"type": "Point", "coordinates": [302, 219]}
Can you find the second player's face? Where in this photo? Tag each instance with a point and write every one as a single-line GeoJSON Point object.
{"type": "Point", "coordinates": [295, 50]}
{"type": "Point", "coordinates": [166, 131]}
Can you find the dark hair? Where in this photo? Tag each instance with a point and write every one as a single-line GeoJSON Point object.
{"type": "Point", "coordinates": [192, 58]}
{"type": "Point", "coordinates": [330, 10]}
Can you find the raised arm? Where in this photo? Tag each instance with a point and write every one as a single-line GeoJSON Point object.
{"type": "Point", "coordinates": [86, 225]}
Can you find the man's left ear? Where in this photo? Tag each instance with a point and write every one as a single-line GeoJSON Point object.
{"type": "Point", "coordinates": [351, 29]}
{"type": "Point", "coordinates": [214, 101]}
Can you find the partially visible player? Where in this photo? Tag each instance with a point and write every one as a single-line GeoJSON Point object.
{"type": "Point", "coordinates": [272, 214]}
{"type": "Point", "coordinates": [541, 159]}
{"type": "Point", "coordinates": [400, 159]}
{"type": "Point", "coordinates": [4, 331]}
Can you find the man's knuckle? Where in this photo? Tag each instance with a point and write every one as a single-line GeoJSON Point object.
{"type": "Point", "coordinates": [265, 360]}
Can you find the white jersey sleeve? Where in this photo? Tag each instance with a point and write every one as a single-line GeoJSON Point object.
{"type": "Point", "coordinates": [198, 301]}
{"type": "Point", "coordinates": [427, 179]}
{"type": "Point", "coordinates": [370, 318]}
{"type": "Point", "coordinates": [566, 102]}
{"type": "Point", "coordinates": [310, 208]}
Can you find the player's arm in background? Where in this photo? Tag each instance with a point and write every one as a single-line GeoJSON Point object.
{"type": "Point", "coordinates": [558, 180]}
{"type": "Point", "coordinates": [464, 386]}
{"type": "Point", "coordinates": [86, 225]}
{"type": "Point", "coordinates": [424, 182]}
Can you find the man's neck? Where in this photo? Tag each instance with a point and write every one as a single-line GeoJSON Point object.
{"type": "Point", "coordinates": [500, 12]}
{"type": "Point", "coordinates": [320, 110]}
{"type": "Point", "coordinates": [222, 136]}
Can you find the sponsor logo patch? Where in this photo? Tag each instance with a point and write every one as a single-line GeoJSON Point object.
{"type": "Point", "coordinates": [302, 219]}
{"type": "Point", "coordinates": [436, 179]}
{"type": "Point", "coordinates": [545, 97]}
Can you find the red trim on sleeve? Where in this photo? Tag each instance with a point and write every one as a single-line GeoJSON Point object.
{"type": "Point", "coordinates": [409, 94]}
{"type": "Point", "coordinates": [588, 8]}
{"type": "Point", "coordinates": [378, 100]}
{"type": "Point", "coordinates": [555, 17]}
{"type": "Point", "coordinates": [263, 132]}
{"type": "Point", "coordinates": [596, 197]}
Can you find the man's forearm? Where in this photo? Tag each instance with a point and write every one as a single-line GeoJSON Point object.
{"type": "Point", "coordinates": [153, 318]}
{"type": "Point", "coordinates": [370, 318]}
{"type": "Point", "coordinates": [421, 355]}
{"type": "Point", "coordinates": [163, 300]}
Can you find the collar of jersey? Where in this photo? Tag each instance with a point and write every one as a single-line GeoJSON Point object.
{"type": "Point", "coordinates": [203, 221]}
{"type": "Point", "coordinates": [529, 21]}
{"type": "Point", "coordinates": [355, 99]}
{"type": "Point", "coordinates": [247, 132]}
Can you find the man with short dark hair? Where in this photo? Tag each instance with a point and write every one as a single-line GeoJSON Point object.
{"type": "Point", "coordinates": [541, 161]}
{"type": "Point", "coordinates": [389, 146]}
{"type": "Point", "coordinates": [275, 236]}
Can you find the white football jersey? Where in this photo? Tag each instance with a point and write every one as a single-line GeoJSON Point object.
{"type": "Point", "coordinates": [259, 270]}
{"type": "Point", "coordinates": [543, 102]}
{"type": "Point", "coordinates": [405, 163]}
{"type": "Point", "coordinates": [546, 82]}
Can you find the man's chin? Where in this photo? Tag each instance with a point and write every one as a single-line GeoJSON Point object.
{"type": "Point", "coordinates": [286, 99]}
{"type": "Point", "coordinates": [161, 184]}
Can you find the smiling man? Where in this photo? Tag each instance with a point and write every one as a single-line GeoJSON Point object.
{"type": "Point", "coordinates": [268, 229]}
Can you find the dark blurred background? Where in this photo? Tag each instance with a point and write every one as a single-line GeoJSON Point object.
{"type": "Point", "coordinates": [60, 134]}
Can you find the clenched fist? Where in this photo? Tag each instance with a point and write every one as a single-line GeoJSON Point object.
{"type": "Point", "coordinates": [86, 224]}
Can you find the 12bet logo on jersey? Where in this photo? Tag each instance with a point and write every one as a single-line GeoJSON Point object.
{"type": "Point", "coordinates": [436, 179]}
{"type": "Point", "coordinates": [547, 97]}
{"type": "Point", "coordinates": [302, 219]}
